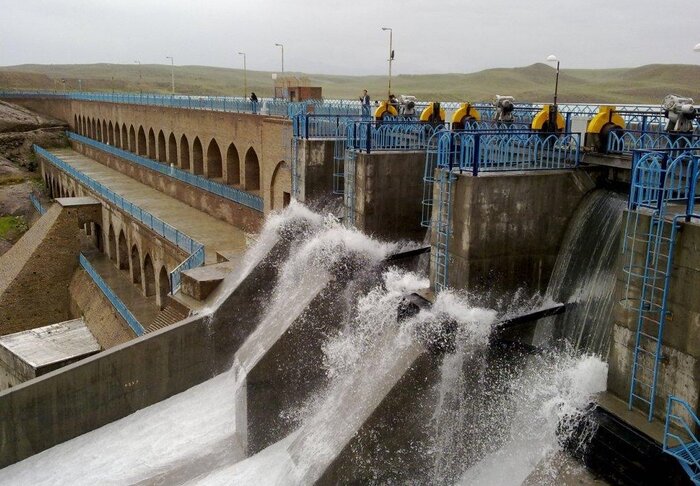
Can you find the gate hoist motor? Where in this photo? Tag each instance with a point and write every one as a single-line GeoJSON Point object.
{"type": "Point", "coordinates": [680, 113]}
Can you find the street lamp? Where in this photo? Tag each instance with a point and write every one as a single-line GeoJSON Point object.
{"type": "Point", "coordinates": [172, 73]}
{"type": "Point", "coordinates": [140, 89]}
{"type": "Point", "coordinates": [245, 76]}
{"type": "Point", "coordinates": [391, 54]}
{"type": "Point", "coordinates": [553, 113]}
{"type": "Point", "coordinates": [282, 47]}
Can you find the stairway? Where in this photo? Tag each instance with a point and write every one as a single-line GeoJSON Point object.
{"type": "Point", "coordinates": [172, 313]}
{"type": "Point", "coordinates": [679, 437]}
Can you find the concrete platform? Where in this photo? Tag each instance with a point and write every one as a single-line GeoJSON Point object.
{"type": "Point", "coordinates": [216, 235]}
{"type": "Point", "coordinates": [635, 418]}
{"type": "Point", "coordinates": [199, 282]}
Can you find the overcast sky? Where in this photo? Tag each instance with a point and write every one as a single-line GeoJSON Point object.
{"type": "Point", "coordinates": [345, 37]}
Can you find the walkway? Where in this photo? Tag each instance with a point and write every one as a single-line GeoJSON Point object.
{"type": "Point", "coordinates": [213, 233]}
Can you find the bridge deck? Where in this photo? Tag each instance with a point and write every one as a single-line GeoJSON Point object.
{"type": "Point", "coordinates": [214, 234]}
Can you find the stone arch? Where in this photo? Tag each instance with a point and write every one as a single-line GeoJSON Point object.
{"type": "Point", "coordinates": [135, 265]}
{"type": "Point", "coordinates": [117, 136]}
{"type": "Point", "coordinates": [151, 145]}
{"type": "Point", "coordinates": [90, 126]}
{"type": "Point", "coordinates": [161, 146]}
{"type": "Point", "coordinates": [213, 167]}
{"type": "Point", "coordinates": [172, 149]}
{"type": "Point", "coordinates": [99, 237]}
{"type": "Point", "coordinates": [149, 276]}
{"type": "Point", "coordinates": [163, 287]}
{"type": "Point", "coordinates": [105, 137]}
{"type": "Point", "coordinates": [233, 166]}
{"type": "Point", "coordinates": [132, 139]}
{"type": "Point", "coordinates": [125, 137]}
{"type": "Point", "coordinates": [252, 171]}
{"type": "Point", "coordinates": [112, 243]}
{"type": "Point", "coordinates": [184, 153]}
{"type": "Point", "coordinates": [122, 252]}
{"type": "Point", "coordinates": [76, 128]}
{"type": "Point", "coordinates": [98, 133]}
{"type": "Point", "coordinates": [280, 187]}
{"type": "Point", "coordinates": [110, 133]}
{"type": "Point", "coordinates": [197, 157]}
{"type": "Point", "coordinates": [141, 145]}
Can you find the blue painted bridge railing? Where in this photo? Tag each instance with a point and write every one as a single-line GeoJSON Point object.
{"type": "Point", "coordinates": [194, 248]}
{"type": "Point", "coordinates": [116, 302]}
{"type": "Point", "coordinates": [680, 439]}
{"type": "Point", "coordinates": [230, 193]}
{"type": "Point", "coordinates": [504, 150]}
{"type": "Point", "coordinates": [322, 126]}
{"type": "Point", "coordinates": [368, 136]}
{"type": "Point", "coordinates": [626, 141]}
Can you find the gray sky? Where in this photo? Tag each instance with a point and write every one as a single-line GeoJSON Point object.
{"type": "Point", "coordinates": [334, 37]}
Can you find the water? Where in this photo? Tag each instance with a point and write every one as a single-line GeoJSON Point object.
{"type": "Point", "coordinates": [584, 276]}
{"type": "Point", "coordinates": [480, 415]}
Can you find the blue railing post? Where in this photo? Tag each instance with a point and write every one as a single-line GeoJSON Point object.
{"type": "Point", "coordinates": [475, 157]}
{"type": "Point", "coordinates": [369, 137]}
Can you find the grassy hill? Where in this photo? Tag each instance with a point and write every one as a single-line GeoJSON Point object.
{"type": "Point", "coordinates": [645, 84]}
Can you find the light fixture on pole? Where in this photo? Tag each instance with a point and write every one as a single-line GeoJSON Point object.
{"type": "Point", "coordinates": [245, 76]}
{"type": "Point", "coordinates": [391, 54]}
{"type": "Point", "coordinates": [172, 73]}
{"type": "Point", "coordinates": [553, 113]}
{"type": "Point", "coordinates": [281, 46]}
{"type": "Point", "coordinates": [140, 89]}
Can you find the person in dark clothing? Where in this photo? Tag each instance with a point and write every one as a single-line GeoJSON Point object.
{"type": "Point", "coordinates": [254, 101]}
{"type": "Point", "coordinates": [364, 99]}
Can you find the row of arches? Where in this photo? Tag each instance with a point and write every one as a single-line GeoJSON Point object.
{"type": "Point", "coordinates": [222, 164]}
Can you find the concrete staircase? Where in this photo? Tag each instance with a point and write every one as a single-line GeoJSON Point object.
{"type": "Point", "coordinates": [172, 313]}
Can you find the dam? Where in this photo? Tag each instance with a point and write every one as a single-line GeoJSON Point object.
{"type": "Point", "coordinates": [301, 292]}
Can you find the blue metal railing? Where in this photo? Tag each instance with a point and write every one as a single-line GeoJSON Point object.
{"type": "Point", "coordinates": [116, 302]}
{"type": "Point", "coordinates": [368, 136]}
{"type": "Point", "coordinates": [106, 290]}
{"type": "Point", "coordinates": [626, 141]}
{"type": "Point", "coordinates": [680, 440]}
{"type": "Point", "coordinates": [194, 248]}
{"type": "Point", "coordinates": [322, 126]}
{"type": "Point", "coordinates": [231, 193]}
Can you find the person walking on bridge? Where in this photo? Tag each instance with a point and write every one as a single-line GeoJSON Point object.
{"type": "Point", "coordinates": [254, 102]}
{"type": "Point", "coordinates": [364, 99]}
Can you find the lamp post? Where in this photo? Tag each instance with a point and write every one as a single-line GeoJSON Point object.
{"type": "Point", "coordinates": [80, 85]}
{"type": "Point", "coordinates": [172, 73]}
{"type": "Point", "coordinates": [245, 76]}
{"type": "Point", "coordinates": [140, 89]}
{"type": "Point", "coordinates": [391, 54]}
{"type": "Point", "coordinates": [281, 46]}
{"type": "Point", "coordinates": [553, 113]}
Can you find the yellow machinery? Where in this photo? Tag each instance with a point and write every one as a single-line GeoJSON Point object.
{"type": "Point", "coordinates": [433, 114]}
{"type": "Point", "coordinates": [384, 109]}
{"type": "Point", "coordinates": [605, 121]}
{"type": "Point", "coordinates": [541, 121]}
{"type": "Point", "coordinates": [465, 114]}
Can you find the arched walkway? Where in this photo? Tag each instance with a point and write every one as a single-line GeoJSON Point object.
{"type": "Point", "coordinates": [161, 147]}
{"type": "Point", "coordinates": [213, 167]}
{"type": "Point", "coordinates": [112, 242]}
{"type": "Point", "coordinates": [123, 250]}
{"type": "Point", "coordinates": [163, 287]}
{"type": "Point", "coordinates": [252, 171]}
{"type": "Point", "coordinates": [233, 166]}
{"type": "Point", "coordinates": [197, 157]}
{"type": "Point", "coordinates": [132, 139]}
{"type": "Point", "coordinates": [184, 153]}
{"type": "Point", "coordinates": [135, 265]}
{"type": "Point", "coordinates": [151, 145]}
{"type": "Point", "coordinates": [141, 142]}
{"type": "Point", "coordinates": [149, 277]}
{"type": "Point", "coordinates": [172, 149]}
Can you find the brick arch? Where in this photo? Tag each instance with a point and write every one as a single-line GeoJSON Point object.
{"type": "Point", "coordinates": [112, 243]}
{"type": "Point", "coordinates": [125, 137]}
{"type": "Point", "coordinates": [163, 287]}
{"type": "Point", "coordinates": [233, 166]}
{"type": "Point", "coordinates": [76, 127]}
{"type": "Point", "coordinates": [280, 186]}
{"type": "Point", "coordinates": [149, 276]}
{"type": "Point", "coordinates": [161, 147]}
{"type": "Point", "coordinates": [110, 133]}
{"type": "Point", "coordinates": [117, 136]}
{"type": "Point", "coordinates": [105, 137]}
{"type": "Point", "coordinates": [98, 237]}
{"type": "Point", "coordinates": [122, 251]}
{"type": "Point", "coordinates": [90, 126]}
{"type": "Point", "coordinates": [184, 153]}
{"type": "Point", "coordinates": [172, 149]}
{"type": "Point", "coordinates": [98, 132]}
{"type": "Point", "coordinates": [197, 157]}
{"type": "Point", "coordinates": [151, 144]}
{"type": "Point", "coordinates": [135, 264]}
{"type": "Point", "coordinates": [141, 147]}
{"type": "Point", "coordinates": [251, 180]}
{"type": "Point", "coordinates": [213, 168]}
{"type": "Point", "coordinates": [132, 139]}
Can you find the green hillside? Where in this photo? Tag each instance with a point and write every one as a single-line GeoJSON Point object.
{"type": "Point", "coordinates": [645, 84]}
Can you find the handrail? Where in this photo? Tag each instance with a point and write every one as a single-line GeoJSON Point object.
{"type": "Point", "coordinates": [170, 233]}
{"type": "Point", "coordinates": [231, 193]}
{"type": "Point", "coordinates": [366, 136]}
{"type": "Point", "coordinates": [116, 302]}
{"type": "Point", "coordinates": [681, 442]}
{"type": "Point", "coordinates": [626, 141]}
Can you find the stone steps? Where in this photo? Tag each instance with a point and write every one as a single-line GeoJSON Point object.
{"type": "Point", "coordinates": [172, 313]}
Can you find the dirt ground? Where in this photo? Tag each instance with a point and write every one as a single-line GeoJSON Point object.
{"type": "Point", "coordinates": [19, 130]}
